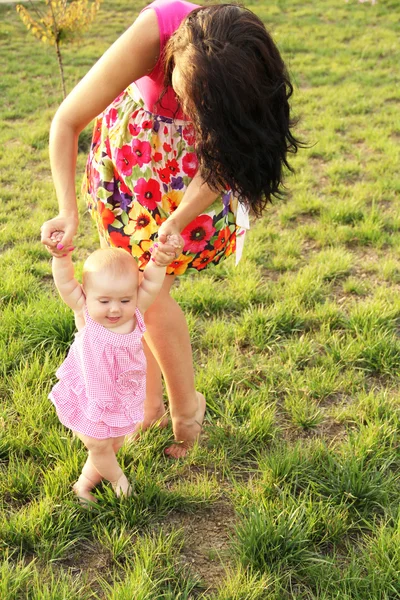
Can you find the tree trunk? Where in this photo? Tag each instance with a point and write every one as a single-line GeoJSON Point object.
{"type": "Point", "coordinates": [61, 68]}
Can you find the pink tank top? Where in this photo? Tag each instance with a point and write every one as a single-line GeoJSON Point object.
{"type": "Point", "coordinates": [170, 14]}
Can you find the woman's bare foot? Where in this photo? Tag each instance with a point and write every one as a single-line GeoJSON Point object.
{"type": "Point", "coordinates": [82, 489]}
{"type": "Point", "coordinates": [122, 487]}
{"type": "Point", "coordinates": [187, 431]}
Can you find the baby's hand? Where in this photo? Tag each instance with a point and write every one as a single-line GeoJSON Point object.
{"type": "Point", "coordinates": [176, 242]}
{"type": "Point", "coordinates": [57, 236]}
{"type": "Point", "coordinates": [164, 253]}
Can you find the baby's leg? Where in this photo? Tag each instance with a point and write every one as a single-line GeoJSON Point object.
{"type": "Point", "coordinates": [88, 479]}
{"type": "Point", "coordinates": [102, 458]}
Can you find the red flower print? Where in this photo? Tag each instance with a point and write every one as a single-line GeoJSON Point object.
{"type": "Point", "coordinates": [164, 175]}
{"type": "Point", "coordinates": [108, 146]}
{"type": "Point", "coordinates": [123, 188]}
{"type": "Point", "coordinates": [157, 156]}
{"type": "Point", "coordinates": [167, 147]}
{"type": "Point", "coordinates": [134, 129]}
{"type": "Point", "coordinates": [204, 259]}
{"type": "Point", "coordinates": [111, 116]}
{"type": "Point", "coordinates": [165, 130]}
{"type": "Point", "coordinates": [141, 152]}
{"type": "Point", "coordinates": [173, 166]}
{"type": "Point", "coordinates": [223, 238]}
{"type": "Point", "coordinates": [125, 160]}
{"type": "Point", "coordinates": [188, 134]}
{"type": "Point", "coordinates": [147, 124]}
{"type": "Point", "coordinates": [148, 193]}
{"type": "Point", "coordinates": [107, 217]}
{"type": "Point", "coordinates": [197, 234]}
{"type": "Point", "coordinates": [190, 164]}
{"type": "Point", "coordinates": [119, 240]}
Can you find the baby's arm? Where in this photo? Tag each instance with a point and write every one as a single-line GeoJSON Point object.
{"type": "Point", "coordinates": [68, 287]}
{"type": "Point", "coordinates": [154, 272]}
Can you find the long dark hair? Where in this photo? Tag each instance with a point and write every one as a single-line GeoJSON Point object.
{"type": "Point", "coordinates": [237, 92]}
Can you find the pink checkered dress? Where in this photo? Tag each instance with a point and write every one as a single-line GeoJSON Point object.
{"type": "Point", "coordinates": [102, 382]}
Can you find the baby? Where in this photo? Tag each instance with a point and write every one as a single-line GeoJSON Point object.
{"type": "Point", "coordinates": [102, 382]}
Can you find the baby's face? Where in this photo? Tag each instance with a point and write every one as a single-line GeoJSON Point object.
{"type": "Point", "coordinates": [111, 300]}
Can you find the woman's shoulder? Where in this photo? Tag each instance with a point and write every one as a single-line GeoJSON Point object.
{"type": "Point", "coordinates": [172, 6]}
{"type": "Point", "coordinates": [170, 13]}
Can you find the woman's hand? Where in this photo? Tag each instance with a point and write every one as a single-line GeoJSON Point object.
{"type": "Point", "coordinates": [55, 243]}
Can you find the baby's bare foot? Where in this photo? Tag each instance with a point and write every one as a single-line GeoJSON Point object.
{"type": "Point", "coordinates": [82, 489]}
{"type": "Point", "coordinates": [187, 431]}
{"type": "Point", "coordinates": [122, 487]}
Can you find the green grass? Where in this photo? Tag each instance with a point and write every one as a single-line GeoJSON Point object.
{"type": "Point", "coordinates": [293, 491]}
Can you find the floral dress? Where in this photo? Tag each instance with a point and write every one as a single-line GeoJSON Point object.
{"type": "Point", "coordinates": [138, 170]}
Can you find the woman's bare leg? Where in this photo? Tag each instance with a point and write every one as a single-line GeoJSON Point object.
{"type": "Point", "coordinates": [168, 338]}
{"type": "Point", "coordinates": [154, 409]}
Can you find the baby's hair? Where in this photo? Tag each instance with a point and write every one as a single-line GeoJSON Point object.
{"type": "Point", "coordinates": [237, 92]}
{"type": "Point", "coordinates": [115, 261]}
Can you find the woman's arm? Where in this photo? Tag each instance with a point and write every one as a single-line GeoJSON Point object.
{"type": "Point", "coordinates": [198, 197]}
{"type": "Point", "coordinates": [132, 56]}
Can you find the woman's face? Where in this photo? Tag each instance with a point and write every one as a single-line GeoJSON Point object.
{"type": "Point", "coordinates": [179, 85]}
{"type": "Point", "coordinates": [177, 82]}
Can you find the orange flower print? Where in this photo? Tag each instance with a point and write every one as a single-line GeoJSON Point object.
{"type": "Point", "coordinates": [159, 220]}
{"type": "Point", "coordinates": [231, 247]}
{"type": "Point", "coordinates": [107, 217]}
{"type": "Point", "coordinates": [171, 201]}
{"type": "Point", "coordinates": [179, 265]}
{"type": "Point", "coordinates": [222, 239]}
{"type": "Point", "coordinates": [142, 253]}
{"type": "Point", "coordinates": [205, 257]}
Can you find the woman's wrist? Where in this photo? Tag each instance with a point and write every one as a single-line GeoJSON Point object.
{"type": "Point", "coordinates": [175, 225]}
{"type": "Point", "coordinates": [69, 213]}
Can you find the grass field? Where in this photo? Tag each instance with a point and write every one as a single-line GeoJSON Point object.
{"type": "Point", "coordinates": [294, 489]}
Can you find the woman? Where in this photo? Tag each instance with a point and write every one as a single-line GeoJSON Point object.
{"type": "Point", "coordinates": [198, 140]}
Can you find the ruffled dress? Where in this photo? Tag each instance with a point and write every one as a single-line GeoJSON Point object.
{"type": "Point", "coordinates": [102, 382]}
{"type": "Point", "coordinates": [141, 162]}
